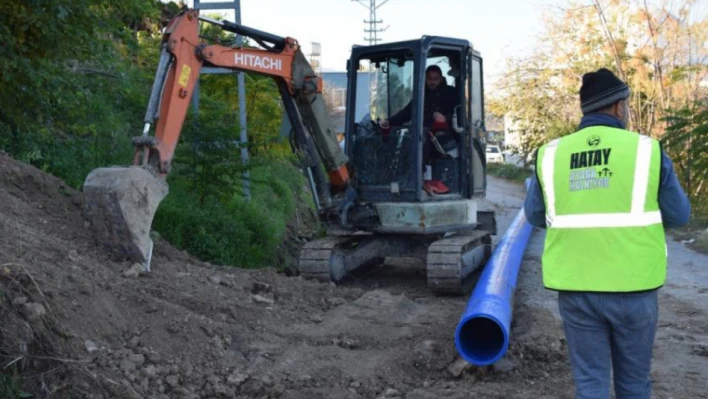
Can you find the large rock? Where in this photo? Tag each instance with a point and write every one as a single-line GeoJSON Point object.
{"type": "Point", "coordinates": [120, 205]}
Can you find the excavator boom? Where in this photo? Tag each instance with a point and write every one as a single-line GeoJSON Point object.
{"type": "Point", "coordinates": [121, 202]}
{"type": "Point", "coordinates": [281, 60]}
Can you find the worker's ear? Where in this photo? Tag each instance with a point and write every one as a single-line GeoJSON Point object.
{"type": "Point", "coordinates": [615, 109]}
{"type": "Point", "coordinates": [621, 110]}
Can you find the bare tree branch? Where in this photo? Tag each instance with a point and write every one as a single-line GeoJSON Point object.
{"type": "Point", "coordinates": [657, 56]}
{"type": "Point", "coordinates": [610, 39]}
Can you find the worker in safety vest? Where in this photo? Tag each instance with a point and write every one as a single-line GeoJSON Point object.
{"type": "Point", "coordinates": [604, 195]}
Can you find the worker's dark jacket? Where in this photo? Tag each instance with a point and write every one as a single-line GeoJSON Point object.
{"type": "Point", "coordinates": [443, 100]}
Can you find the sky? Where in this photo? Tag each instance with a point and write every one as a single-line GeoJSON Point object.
{"type": "Point", "coordinates": [496, 28]}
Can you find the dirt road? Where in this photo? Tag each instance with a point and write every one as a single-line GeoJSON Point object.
{"type": "Point", "coordinates": [680, 366]}
{"type": "Point", "coordinates": [75, 323]}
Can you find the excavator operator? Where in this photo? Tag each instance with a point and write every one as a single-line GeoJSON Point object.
{"type": "Point", "coordinates": [439, 104]}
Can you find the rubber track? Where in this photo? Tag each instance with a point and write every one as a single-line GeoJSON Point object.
{"type": "Point", "coordinates": [444, 261]}
{"type": "Point", "coordinates": [315, 257]}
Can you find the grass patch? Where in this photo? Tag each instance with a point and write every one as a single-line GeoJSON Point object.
{"type": "Point", "coordinates": [10, 386]}
{"type": "Point", "coordinates": [509, 172]}
{"type": "Point", "coordinates": [234, 231]}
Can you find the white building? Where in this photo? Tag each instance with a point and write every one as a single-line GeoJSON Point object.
{"type": "Point", "coordinates": [511, 133]}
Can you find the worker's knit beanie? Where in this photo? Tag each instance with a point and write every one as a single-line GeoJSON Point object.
{"type": "Point", "coordinates": [600, 90]}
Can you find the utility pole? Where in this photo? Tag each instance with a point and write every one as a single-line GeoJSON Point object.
{"type": "Point", "coordinates": [236, 6]}
{"type": "Point", "coordinates": [373, 22]}
{"type": "Point", "coordinates": [373, 31]}
{"type": "Point", "coordinates": [242, 111]}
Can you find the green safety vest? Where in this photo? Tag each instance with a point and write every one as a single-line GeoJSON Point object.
{"type": "Point", "coordinates": [604, 227]}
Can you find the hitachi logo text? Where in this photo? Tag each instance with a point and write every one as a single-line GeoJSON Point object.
{"type": "Point", "coordinates": [256, 61]}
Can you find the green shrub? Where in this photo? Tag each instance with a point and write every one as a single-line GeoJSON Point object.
{"type": "Point", "coordinates": [509, 172]}
{"type": "Point", "coordinates": [236, 232]}
{"type": "Point", "coordinates": [10, 385]}
{"type": "Point", "coordinates": [71, 106]}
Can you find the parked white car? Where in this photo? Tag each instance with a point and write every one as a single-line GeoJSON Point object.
{"type": "Point", "coordinates": [494, 154]}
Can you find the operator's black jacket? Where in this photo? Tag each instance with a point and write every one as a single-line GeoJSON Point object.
{"type": "Point", "coordinates": [443, 99]}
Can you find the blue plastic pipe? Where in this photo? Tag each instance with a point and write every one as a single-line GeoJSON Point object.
{"type": "Point", "coordinates": [482, 335]}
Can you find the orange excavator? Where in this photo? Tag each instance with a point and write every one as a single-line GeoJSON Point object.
{"type": "Point", "coordinates": [121, 202]}
{"type": "Point", "coordinates": [374, 206]}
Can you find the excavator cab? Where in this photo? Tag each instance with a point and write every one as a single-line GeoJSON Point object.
{"type": "Point", "coordinates": [414, 158]}
{"type": "Point", "coordinates": [420, 178]}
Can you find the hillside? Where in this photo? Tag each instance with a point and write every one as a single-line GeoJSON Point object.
{"type": "Point", "coordinates": [190, 329]}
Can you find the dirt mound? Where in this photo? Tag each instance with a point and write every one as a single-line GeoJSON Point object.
{"type": "Point", "coordinates": [76, 323]}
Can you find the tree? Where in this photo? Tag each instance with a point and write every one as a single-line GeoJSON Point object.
{"type": "Point", "coordinates": [72, 84]}
{"type": "Point", "coordinates": [686, 140]}
{"type": "Point", "coordinates": [659, 51]}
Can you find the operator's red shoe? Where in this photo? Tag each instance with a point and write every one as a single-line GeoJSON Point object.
{"type": "Point", "coordinates": [434, 187]}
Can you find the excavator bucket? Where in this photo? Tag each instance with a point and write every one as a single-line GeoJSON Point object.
{"type": "Point", "coordinates": [121, 201]}
{"type": "Point", "coordinates": [120, 205]}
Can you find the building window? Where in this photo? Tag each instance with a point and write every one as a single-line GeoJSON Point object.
{"type": "Point", "coordinates": [339, 97]}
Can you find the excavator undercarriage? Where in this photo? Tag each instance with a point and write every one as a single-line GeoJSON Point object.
{"type": "Point", "coordinates": [449, 260]}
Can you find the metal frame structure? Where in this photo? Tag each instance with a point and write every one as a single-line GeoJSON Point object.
{"type": "Point", "coordinates": [373, 22]}
{"type": "Point", "coordinates": [373, 38]}
{"type": "Point", "coordinates": [236, 6]}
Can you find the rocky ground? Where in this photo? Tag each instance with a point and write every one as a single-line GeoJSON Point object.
{"type": "Point", "coordinates": [77, 324]}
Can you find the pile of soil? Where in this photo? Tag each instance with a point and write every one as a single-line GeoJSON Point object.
{"type": "Point", "coordinates": [76, 323]}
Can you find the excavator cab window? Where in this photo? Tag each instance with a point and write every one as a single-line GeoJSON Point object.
{"type": "Point", "coordinates": [383, 146]}
{"type": "Point", "coordinates": [390, 90]}
{"type": "Point", "coordinates": [408, 131]}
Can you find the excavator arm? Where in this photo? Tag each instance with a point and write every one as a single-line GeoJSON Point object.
{"type": "Point", "coordinates": [181, 60]}
{"type": "Point", "coordinates": [121, 202]}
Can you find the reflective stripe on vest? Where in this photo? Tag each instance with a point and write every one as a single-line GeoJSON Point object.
{"type": "Point", "coordinates": [637, 217]}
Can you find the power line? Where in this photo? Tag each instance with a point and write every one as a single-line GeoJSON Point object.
{"type": "Point", "coordinates": [373, 22]}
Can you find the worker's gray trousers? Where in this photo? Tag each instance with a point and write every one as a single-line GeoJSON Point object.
{"type": "Point", "coordinates": [610, 332]}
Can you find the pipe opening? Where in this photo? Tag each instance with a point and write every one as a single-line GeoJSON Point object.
{"type": "Point", "coordinates": [482, 340]}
